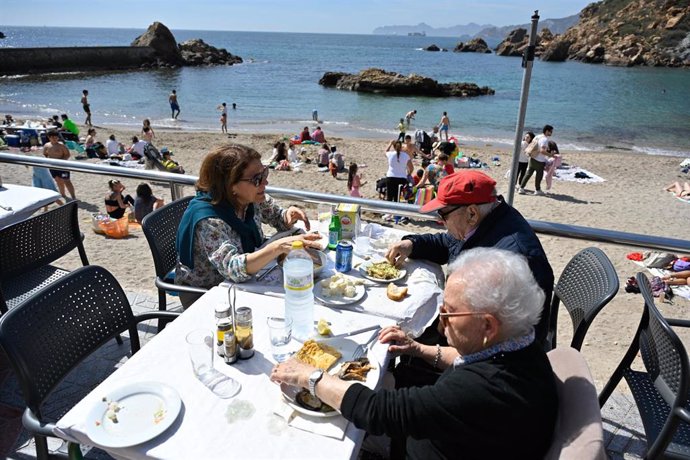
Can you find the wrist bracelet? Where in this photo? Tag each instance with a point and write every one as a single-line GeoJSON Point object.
{"type": "Point", "coordinates": [437, 358]}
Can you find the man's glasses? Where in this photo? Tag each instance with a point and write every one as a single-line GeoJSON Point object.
{"type": "Point", "coordinates": [444, 214]}
{"type": "Point", "coordinates": [257, 179]}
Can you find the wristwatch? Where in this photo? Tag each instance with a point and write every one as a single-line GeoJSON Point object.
{"type": "Point", "coordinates": [314, 378]}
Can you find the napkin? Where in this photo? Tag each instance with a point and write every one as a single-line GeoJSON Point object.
{"type": "Point", "coordinates": [332, 427]}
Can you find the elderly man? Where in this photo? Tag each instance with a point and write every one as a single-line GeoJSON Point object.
{"type": "Point", "coordinates": [496, 398]}
{"type": "Point", "coordinates": [476, 217]}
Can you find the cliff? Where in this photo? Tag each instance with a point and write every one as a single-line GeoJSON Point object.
{"type": "Point", "coordinates": [627, 33]}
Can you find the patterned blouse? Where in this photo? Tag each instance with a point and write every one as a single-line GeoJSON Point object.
{"type": "Point", "coordinates": [218, 253]}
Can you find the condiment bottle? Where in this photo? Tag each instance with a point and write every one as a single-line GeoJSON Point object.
{"type": "Point", "coordinates": [223, 325]}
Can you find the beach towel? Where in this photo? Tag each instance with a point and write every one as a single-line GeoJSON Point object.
{"type": "Point", "coordinates": [681, 291]}
{"type": "Point", "coordinates": [571, 174]}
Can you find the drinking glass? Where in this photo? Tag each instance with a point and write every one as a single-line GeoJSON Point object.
{"type": "Point", "coordinates": [200, 346]}
{"type": "Point", "coordinates": [323, 215]}
{"type": "Point", "coordinates": [362, 246]}
{"type": "Point", "coordinates": [280, 332]}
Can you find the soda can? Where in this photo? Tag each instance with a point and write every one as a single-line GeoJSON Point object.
{"type": "Point", "coordinates": [343, 257]}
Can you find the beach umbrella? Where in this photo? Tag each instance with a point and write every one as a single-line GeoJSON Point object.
{"type": "Point", "coordinates": [527, 62]}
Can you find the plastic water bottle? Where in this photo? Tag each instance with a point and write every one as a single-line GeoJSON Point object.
{"type": "Point", "coordinates": [298, 277]}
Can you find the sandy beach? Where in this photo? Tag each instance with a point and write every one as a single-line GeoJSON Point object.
{"type": "Point", "coordinates": [630, 199]}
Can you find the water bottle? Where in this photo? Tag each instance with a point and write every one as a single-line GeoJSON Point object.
{"type": "Point", "coordinates": [298, 276]}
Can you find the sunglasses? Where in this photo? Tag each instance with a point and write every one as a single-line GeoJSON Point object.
{"type": "Point", "coordinates": [257, 179]}
{"type": "Point", "coordinates": [444, 215]}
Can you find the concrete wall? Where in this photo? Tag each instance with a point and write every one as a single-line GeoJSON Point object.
{"type": "Point", "coordinates": [14, 61]}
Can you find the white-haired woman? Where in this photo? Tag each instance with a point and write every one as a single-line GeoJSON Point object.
{"type": "Point", "coordinates": [497, 396]}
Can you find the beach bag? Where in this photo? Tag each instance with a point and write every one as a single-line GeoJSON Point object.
{"type": "Point", "coordinates": [532, 149]}
{"type": "Point", "coordinates": [115, 228]}
{"type": "Point", "coordinates": [681, 265]}
{"type": "Point", "coordinates": [658, 259]}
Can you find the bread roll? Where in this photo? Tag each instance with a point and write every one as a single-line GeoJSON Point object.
{"type": "Point", "coordinates": [396, 293]}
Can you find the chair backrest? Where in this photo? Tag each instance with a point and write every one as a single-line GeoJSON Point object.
{"type": "Point", "coordinates": [160, 228]}
{"type": "Point", "coordinates": [666, 362]}
{"type": "Point", "coordinates": [51, 333]}
{"type": "Point", "coordinates": [578, 434]}
{"type": "Point", "coordinates": [40, 240]}
{"type": "Point", "coordinates": [587, 284]}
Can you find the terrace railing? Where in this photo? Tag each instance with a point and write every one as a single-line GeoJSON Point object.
{"type": "Point", "coordinates": [176, 182]}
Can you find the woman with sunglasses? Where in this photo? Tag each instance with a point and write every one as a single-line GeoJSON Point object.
{"type": "Point", "coordinates": [496, 397]}
{"type": "Point", "coordinates": [220, 233]}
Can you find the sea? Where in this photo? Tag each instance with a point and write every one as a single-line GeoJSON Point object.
{"type": "Point", "coordinates": [592, 107]}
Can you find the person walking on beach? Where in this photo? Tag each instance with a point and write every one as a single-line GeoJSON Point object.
{"type": "Point", "coordinates": [147, 124]}
{"type": "Point", "coordinates": [409, 116]}
{"type": "Point", "coordinates": [87, 107]}
{"type": "Point", "coordinates": [315, 115]}
{"type": "Point", "coordinates": [444, 126]}
{"type": "Point", "coordinates": [56, 150]}
{"type": "Point", "coordinates": [401, 129]}
{"type": "Point", "coordinates": [223, 117]}
{"type": "Point", "coordinates": [174, 105]}
{"type": "Point", "coordinates": [537, 161]}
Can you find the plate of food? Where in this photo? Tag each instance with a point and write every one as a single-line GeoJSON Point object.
{"type": "Point", "coordinates": [330, 355]}
{"type": "Point", "coordinates": [381, 271]}
{"type": "Point", "coordinates": [339, 289]}
{"type": "Point", "coordinates": [132, 414]}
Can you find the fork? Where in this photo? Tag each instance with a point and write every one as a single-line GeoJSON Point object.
{"type": "Point", "coordinates": [362, 349]}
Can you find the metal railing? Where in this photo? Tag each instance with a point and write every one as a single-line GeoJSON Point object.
{"type": "Point", "coordinates": [177, 181]}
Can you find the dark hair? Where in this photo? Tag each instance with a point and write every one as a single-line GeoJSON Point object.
{"type": "Point", "coordinates": [146, 129]}
{"type": "Point", "coordinates": [135, 139]}
{"type": "Point", "coordinates": [91, 130]}
{"type": "Point", "coordinates": [113, 182]}
{"type": "Point", "coordinates": [531, 135]}
{"type": "Point", "coordinates": [407, 136]}
{"type": "Point", "coordinates": [55, 117]}
{"type": "Point", "coordinates": [420, 173]}
{"type": "Point", "coordinates": [547, 128]}
{"type": "Point", "coordinates": [111, 137]}
{"type": "Point", "coordinates": [333, 149]}
{"type": "Point", "coordinates": [146, 122]}
{"type": "Point", "coordinates": [222, 168]}
{"type": "Point", "coordinates": [144, 191]}
{"type": "Point", "coordinates": [445, 113]}
{"type": "Point", "coordinates": [52, 132]}
{"type": "Point", "coordinates": [397, 150]}
{"type": "Point", "coordinates": [402, 120]}
{"type": "Point", "coordinates": [281, 151]}
{"type": "Point", "coordinates": [351, 175]}
{"type": "Point", "coordinates": [86, 91]}
{"type": "Point", "coordinates": [442, 157]}
{"type": "Point", "coordinates": [64, 116]}
{"type": "Point", "coordinates": [553, 148]}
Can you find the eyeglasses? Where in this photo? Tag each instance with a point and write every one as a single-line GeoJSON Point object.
{"type": "Point", "coordinates": [444, 215]}
{"type": "Point", "coordinates": [257, 179]}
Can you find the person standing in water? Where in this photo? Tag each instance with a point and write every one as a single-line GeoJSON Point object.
{"type": "Point", "coordinates": [174, 105]}
{"type": "Point", "coordinates": [86, 106]}
{"type": "Point", "coordinates": [444, 126]}
{"type": "Point", "coordinates": [223, 117]}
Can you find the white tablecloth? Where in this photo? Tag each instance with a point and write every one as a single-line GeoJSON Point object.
{"type": "Point", "coordinates": [201, 430]}
{"type": "Point", "coordinates": [23, 201]}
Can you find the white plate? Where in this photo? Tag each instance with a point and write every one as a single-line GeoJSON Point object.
{"type": "Point", "coordinates": [347, 347]}
{"type": "Point", "coordinates": [147, 409]}
{"type": "Point", "coordinates": [363, 271]}
{"type": "Point", "coordinates": [336, 301]}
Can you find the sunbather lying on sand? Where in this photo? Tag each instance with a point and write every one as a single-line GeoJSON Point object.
{"type": "Point", "coordinates": [680, 191]}
{"type": "Point", "coordinates": [677, 278]}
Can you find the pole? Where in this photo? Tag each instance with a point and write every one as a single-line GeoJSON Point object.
{"type": "Point", "coordinates": [527, 61]}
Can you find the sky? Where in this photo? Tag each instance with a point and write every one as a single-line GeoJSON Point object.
{"type": "Point", "coordinates": [353, 16]}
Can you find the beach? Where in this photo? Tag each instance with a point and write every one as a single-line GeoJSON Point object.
{"type": "Point", "coordinates": [630, 200]}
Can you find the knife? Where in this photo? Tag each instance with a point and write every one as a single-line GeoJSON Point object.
{"type": "Point", "coordinates": [358, 331]}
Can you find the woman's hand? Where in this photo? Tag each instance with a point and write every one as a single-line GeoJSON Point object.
{"type": "Point", "coordinates": [294, 214]}
{"type": "Point", "coordinates": [292, 372]}
{"type": "Point", "coordinates": [400, 343]}
{"type": "Point", "coordinates": [284, 245]}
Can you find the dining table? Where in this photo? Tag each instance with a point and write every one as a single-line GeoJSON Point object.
{"type": "Point", "coordinates": [19, 202]}
{"type": "Point", "coordinates": [259, 421]}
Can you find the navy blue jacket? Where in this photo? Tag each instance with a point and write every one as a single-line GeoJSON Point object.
{"type": "Point", "coordinates": [503, 228]}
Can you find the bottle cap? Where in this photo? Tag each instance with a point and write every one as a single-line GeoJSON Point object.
{"type": "Point", "coordinates": [297, 245]}
{"type": "Point", "coordinates": [222, 310]}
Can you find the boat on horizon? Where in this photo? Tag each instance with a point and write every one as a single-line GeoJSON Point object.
{"type": "Point", "coordinates": [416, 34]}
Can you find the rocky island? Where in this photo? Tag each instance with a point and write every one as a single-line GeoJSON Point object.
{"type": "Point", "coordinates": [476, 45]}
{"type": "Point", "coordinates": [380, 81]}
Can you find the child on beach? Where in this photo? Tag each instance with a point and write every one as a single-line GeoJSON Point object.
{"type": "Point", "coordinates": [336, 162]}
{"type": "Point", "coordinates": [401, 128]}
{"type": "Point", "coordinates": [223, 118]}
{"type": "Point", "coordinates": [354, 181]}
{"type": "Point", "coordinates": [147, 135]}
{"type": "Point", "coordinates": [86, 106]}
{"type": "Point", "coordinates": [145, 202]}
{"type": "Point", "coordinates": [89, 143]}
{"type": "Point", "coordinates": [147, 124]}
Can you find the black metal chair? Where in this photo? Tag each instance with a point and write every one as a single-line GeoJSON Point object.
{"type": "Point", "coordinates": [660, 393]}
{"type": "Point", "coordinates": [160, 228]}
{"type": "Point", "coordinates": [587, 284]}
{"type": "Point", "coordinates": [57, 328]}
{"type": "Point", "coordinates": [27, 248]}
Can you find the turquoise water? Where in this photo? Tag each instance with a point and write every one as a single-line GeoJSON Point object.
{"type": "Point", "coordinates": [592, 107]}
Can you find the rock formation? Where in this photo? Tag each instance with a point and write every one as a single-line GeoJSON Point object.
{"type": "Point", "coordinates": [476, 45]}
{"type": "Point", "coordinates": [628, 33]}
{"type": "Point", "coordinates": [380, 81]}
{"type": "Point", "coordinates": [196, 52]}
{"type": "Point", "coordinates": [190, 53]}
{"type": "Point", "coordinates": [518, 40]}
{"type": "Point", "coordinates": [432, 48]}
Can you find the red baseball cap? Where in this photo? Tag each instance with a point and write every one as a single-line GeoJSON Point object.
{"type": "Point", "coordinates": [462, 188]}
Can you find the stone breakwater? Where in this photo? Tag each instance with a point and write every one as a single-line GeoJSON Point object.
{"type": "Point", "coordinates": [380, 81]}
